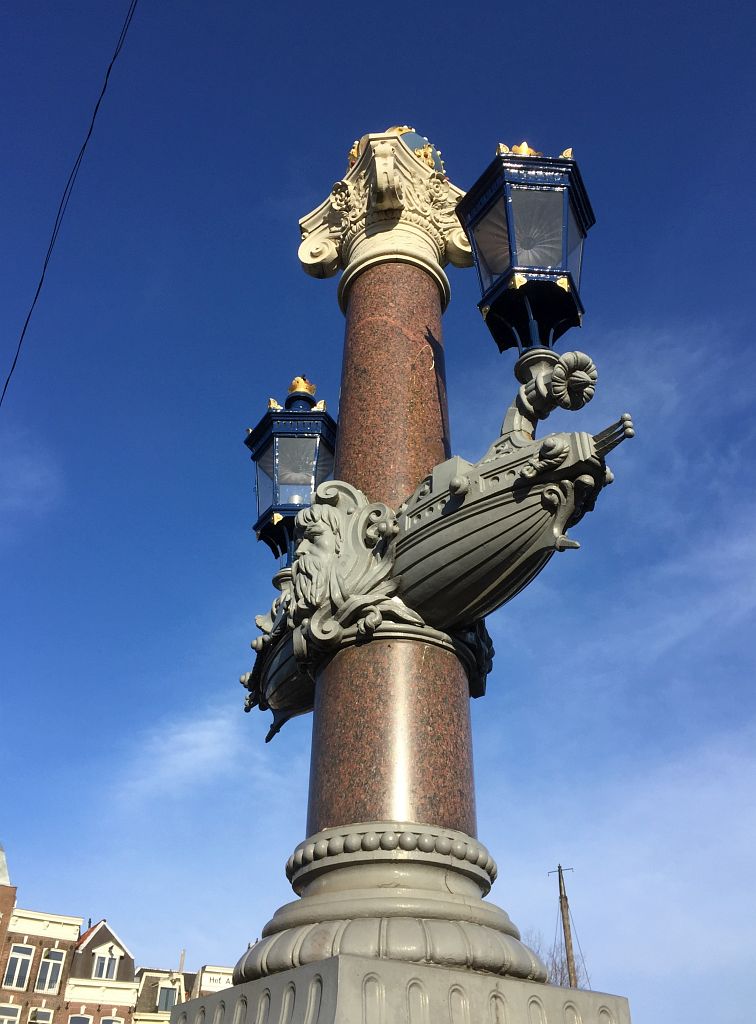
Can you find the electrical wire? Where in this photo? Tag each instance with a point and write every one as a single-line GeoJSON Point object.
{"type": "Point", "coordinates": [63, 205]}
{"type": "Point", "coordinates": [558, 941]}
{"type": "Point", "coordinates": [556, 948]}
{"type": "Point", "coordinates": [577, 939]}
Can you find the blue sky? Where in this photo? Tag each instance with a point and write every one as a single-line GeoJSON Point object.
{"type": "Point", "coordinates": [618, 733]}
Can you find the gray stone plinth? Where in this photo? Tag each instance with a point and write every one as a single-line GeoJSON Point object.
{"type": "Point", "coordinates": [357, 990]}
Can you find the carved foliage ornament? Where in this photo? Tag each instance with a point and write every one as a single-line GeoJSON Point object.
{"type": "Point", "coordinates": [341, 576]}
{"type": "Point", "coordinates": [387, 187]}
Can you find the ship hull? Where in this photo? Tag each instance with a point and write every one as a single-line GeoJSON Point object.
{"type": "Point", "coordinates": [473, 536]}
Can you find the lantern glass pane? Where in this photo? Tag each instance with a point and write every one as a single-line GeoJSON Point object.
{"type": "Point", "coordinates": [492, 244]}
{"type": "Point", "coordinates": [295, 469]}
{"type": "Point", "coordinates": [265, 479]}
{"type": "Point", "coordinates": [538, 217]}
{"type": "Point", "coordinates": [324, 467]}
{"type": "Point", "coordinates": [575, 238]}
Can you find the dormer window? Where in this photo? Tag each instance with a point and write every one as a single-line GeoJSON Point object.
{"type": "Point", "coordinates": [167, 995]}
{"type": "Point", "coordinates": [105, 967]}
{"type": "Point", "coordinates": [106, 962]}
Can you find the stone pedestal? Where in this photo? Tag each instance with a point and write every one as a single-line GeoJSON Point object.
{"type": "Point", "coordinates": [360, 990]}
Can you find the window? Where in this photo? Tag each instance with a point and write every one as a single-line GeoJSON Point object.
{"type": "Point", "coordinates": [111, 1020]}
{"type": "Point", "coordinates": [9, 1014]}
{"type": "Point", "coordinates": [166, 998]}
{"type": "Point", "coordinates": [39, 1016]}
{"type": "Point", "coordinates": [50, 967]}
{"type": "Point", "coordinates": [79, 1019]}
{"type": "Point", "coordinates": [19, 962]}
{"type": "Point", "coordinates": [538, 217]}
{"type": "Point", "coordinates": [491, 236]}
{"type": "Point", "coordinates": [105, 966]}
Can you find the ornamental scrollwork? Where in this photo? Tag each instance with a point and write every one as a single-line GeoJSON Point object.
{"type": "Point", "coordinates": [573, 380]}
{"type": "Point", "coordinates": [341, 576]}
{"type": "Point", "coordinates": [388, 186]}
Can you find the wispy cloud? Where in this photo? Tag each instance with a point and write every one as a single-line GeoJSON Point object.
{"type": "Point", "coordinates": [183, 753]}
{"type": "Point", "coordinates": [707, 585]}
{"type": "Point", "coordinates": [661, 894]}
{"type": "Point", "coordinates": [31, 481]}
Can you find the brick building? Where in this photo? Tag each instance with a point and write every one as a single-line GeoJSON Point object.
{"type": "Point", "coordinates": [36, 953]}
{"type": "Point", "coordinates": [52, 973]}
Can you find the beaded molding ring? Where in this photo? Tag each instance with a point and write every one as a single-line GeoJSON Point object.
{"type": "Point", "coordinates": [392, 841]}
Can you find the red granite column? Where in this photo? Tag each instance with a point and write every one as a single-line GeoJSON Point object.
{"type": "Point", "coordinates": [393, 417]}
{"type": "Point", "coordinates": [391, 729]}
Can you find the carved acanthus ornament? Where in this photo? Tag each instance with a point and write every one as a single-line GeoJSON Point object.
{"type": "Point", "coordinates": [392, 204]}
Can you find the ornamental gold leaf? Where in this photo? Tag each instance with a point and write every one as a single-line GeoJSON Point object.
{"type": "Point", "coordinates": [525, 150]}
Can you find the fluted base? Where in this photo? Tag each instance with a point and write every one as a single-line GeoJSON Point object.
{"type": "Point", "coordinates": [394, 891]}
{"type": "Point", "coordinates": [361, 990]}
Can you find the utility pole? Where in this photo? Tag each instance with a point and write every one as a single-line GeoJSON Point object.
{"type": "Point", "coordinates": [564, 907]}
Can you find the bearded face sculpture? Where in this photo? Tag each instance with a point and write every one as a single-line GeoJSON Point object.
{"type": "Point", "coordinates": [314, 575]}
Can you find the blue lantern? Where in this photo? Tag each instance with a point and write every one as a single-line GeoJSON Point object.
{"type": "Point", "coordinates": [292, 448]}
{"type": "Point", "coordinates": [526, 218]}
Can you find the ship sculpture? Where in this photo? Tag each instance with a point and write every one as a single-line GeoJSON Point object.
{"type": "Point", "coordinates": [470, 537]}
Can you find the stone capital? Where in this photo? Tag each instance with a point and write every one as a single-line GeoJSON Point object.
{"type": "Point", "coordinates": [392, 205]}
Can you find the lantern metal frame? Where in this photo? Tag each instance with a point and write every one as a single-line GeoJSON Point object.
{"type": "Point", "coordinates": [525, 305]}
{"type": "Point", "coordinates": [301, 417]}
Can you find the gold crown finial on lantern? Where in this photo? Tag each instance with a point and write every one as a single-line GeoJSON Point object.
{"type": "Point", "coordinates": [525, 150]}
{"type": "Point", "coordinates": [522, 150]}
{"type": "Point", "coordinates": [302, 384]}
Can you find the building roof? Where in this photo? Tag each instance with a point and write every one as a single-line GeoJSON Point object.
{"type": "Point", "coordinates": [90, 934]}
{"type": "Point", "coordinates": [85, 935]}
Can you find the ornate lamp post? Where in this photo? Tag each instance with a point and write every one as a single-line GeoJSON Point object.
{"type": "Point", "coordinates": [379, 625]}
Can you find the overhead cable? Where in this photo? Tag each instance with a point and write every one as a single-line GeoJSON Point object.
{"type": "Point", "coordinates": [68, 190]}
